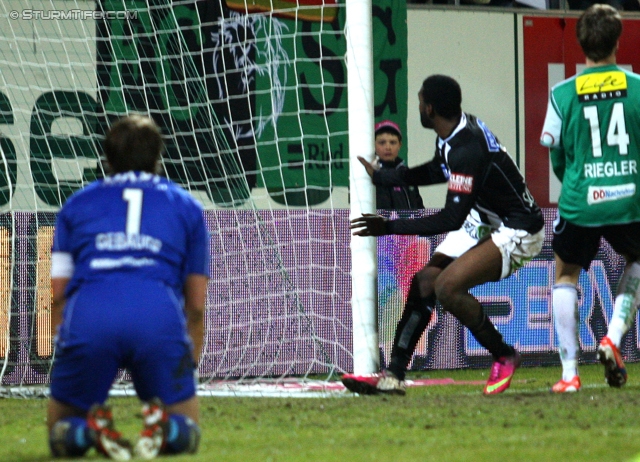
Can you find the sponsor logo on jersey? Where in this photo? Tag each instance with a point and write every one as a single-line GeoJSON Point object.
{"type": "Point", "coordinates": [460, 183]}
{"type": "Point", "coordinates": [601, 85]}
{"type": "Point", "coordinates": [131, 177]}
{"type": "Point", "coordinates": [113, 263]}
{"type": "Point", "coordinates": [598, 194]}
{"type": "Point", "coordinates": [445, 170]}
{"type": "Point", "coordinates": [492, 142]}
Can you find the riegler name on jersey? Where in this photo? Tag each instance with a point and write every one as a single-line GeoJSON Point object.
{"type": "Point", "coordinates": [610, 169]}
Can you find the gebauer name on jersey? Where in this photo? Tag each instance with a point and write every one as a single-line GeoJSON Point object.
{"type": "Point", "coordinates": [119, 241]}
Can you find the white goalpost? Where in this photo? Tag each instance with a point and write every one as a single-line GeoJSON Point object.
{"type": "Point", "coordinates": [364, 274]}
{"type": "Point", "coordinates": [264, 107]}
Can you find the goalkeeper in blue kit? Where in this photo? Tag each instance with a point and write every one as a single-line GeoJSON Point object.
{"type": "Point", "coordinates": [592, 127]}
{"type": "Point", "coordinates": [129, 273]}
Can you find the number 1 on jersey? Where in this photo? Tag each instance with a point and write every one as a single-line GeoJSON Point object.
{"type": "Point", "coordinates": [133, 197]}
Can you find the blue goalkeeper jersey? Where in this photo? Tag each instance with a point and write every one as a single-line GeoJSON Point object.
{"type": "Point", "coordinates": [134, 224]}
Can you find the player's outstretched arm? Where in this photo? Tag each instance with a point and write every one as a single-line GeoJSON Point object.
{"type": "Point", "coordinates": [369, 225]}
{"type": "Point", "coordinates": [195, 292]}
{"type": "Point", "coordinates": [370, 167]}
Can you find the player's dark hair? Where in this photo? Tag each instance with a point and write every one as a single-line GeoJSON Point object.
{"type": "Point", "coordinates": [444, 94]}
{"type": "Point", "coordinates": [598, 30]}
{"type": "Point", "coordinates": [133, 143]}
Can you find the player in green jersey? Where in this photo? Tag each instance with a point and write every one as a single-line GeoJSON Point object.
{"type": "Point", "coordinates": [593, 129]}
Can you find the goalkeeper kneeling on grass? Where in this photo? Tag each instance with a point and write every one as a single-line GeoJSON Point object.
{"type": "Point", "coordinates": [129, 273]}
{"type": "Point", "coordinates": [500, 228]}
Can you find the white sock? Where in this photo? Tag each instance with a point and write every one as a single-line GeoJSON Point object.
{"type": "Point", "coordinates": [626, 303]}
{"type": "Point", "coordinates": [565, 316]}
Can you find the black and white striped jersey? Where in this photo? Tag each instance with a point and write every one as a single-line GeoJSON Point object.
{"type": "Point", "coordinates": [480, 174]}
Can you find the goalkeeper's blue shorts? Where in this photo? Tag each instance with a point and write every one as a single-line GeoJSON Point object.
{"type": "Point", "coordinates": [138, 326]}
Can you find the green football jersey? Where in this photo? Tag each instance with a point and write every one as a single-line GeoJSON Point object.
{"type": "Point", "coordinates": [593, 129]}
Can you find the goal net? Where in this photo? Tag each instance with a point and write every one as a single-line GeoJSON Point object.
{"type": "Point", "coordinates": [251, 98]}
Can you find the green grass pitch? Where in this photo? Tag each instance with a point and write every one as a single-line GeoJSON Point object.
{"type": "Point", "coordinates": [432, 423]}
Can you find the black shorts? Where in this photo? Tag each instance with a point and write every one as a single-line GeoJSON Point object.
{"type": "Point", "coordinates": [579, 244]}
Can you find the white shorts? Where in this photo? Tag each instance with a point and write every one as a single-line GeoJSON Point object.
{"type": "Point", "coordinates": [458, 242]}
{"type": "Point", "coordinates": [517, 247]}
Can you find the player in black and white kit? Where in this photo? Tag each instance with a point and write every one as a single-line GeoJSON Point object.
{"type": "Point", "coordinates": [482, 178]}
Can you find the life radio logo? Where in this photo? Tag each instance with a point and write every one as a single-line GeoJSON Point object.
{"type": "Point", "coordinates": [460, 183]}
{"type": "Point", "coordinates": [597, 194]}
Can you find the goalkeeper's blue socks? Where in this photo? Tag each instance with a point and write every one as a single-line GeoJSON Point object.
{"type": "Point", "coordinates": [183, 435]}
{"type": "Point", "coordinates": [70, 437]}
{"type": "Point", "coordinates": [165, 433]}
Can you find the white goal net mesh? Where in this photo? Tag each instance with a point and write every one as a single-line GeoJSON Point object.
{"type": "Point", "coordinates": [251, 98]}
